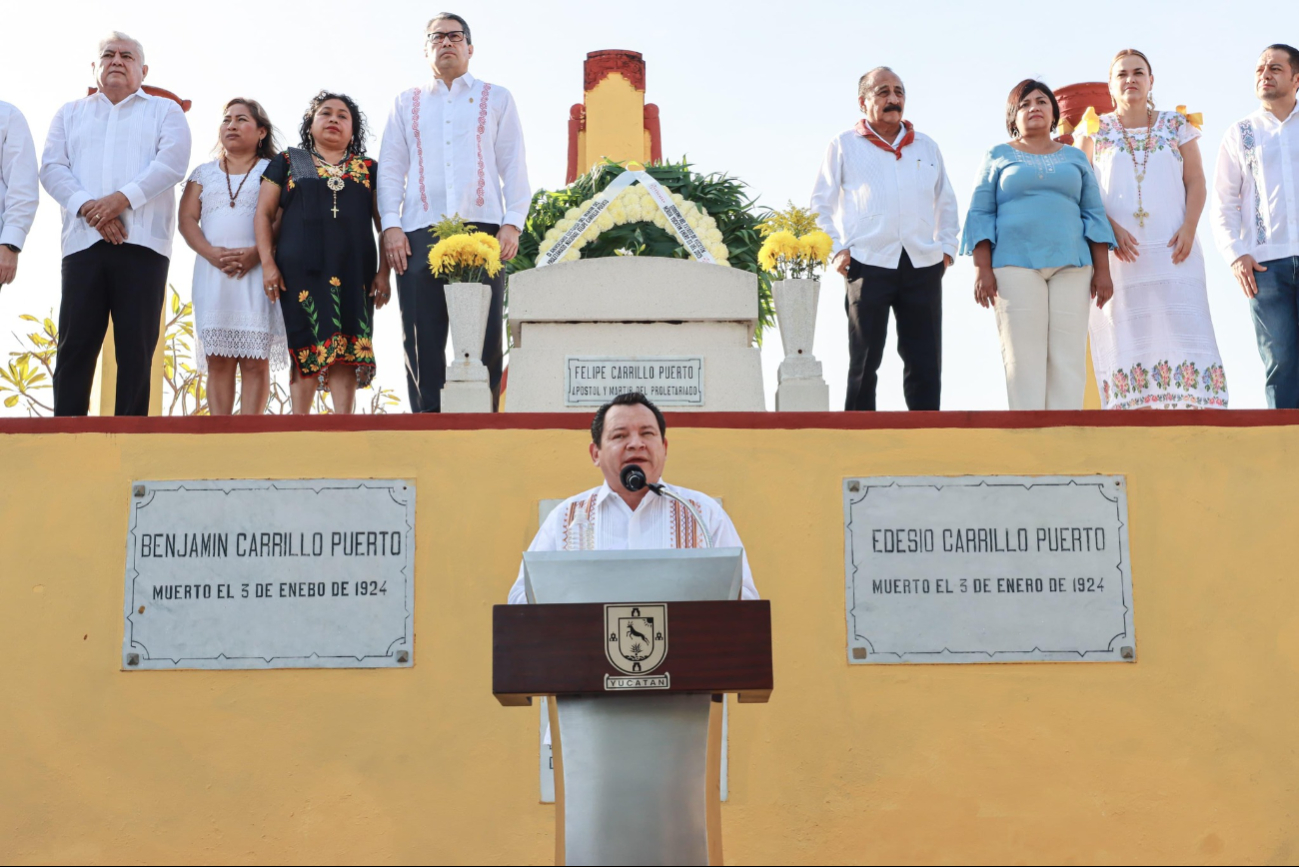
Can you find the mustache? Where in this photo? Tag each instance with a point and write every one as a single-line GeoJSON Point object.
{"type": "Point", "coordinates": [896, 108]}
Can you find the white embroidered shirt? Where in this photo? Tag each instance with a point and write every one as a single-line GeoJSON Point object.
{"type": "Point", "coordinates": [139, 148]}
{"type": "Point", "coordinates": [456, 150]}
{"type": "Point", "coordinates": [876, 205]}
{"type": "Point", "coordinates": [19, 188]}
{"type": "Point", "coordinates": [1256, 188]}
{"type": "Point", "coordinates": [600, 520]}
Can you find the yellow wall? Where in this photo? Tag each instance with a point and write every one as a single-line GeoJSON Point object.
{"type": "Point", "coordinates": [1188, 755]}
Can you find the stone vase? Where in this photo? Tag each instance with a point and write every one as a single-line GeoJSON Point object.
{"type": "Point", "coordinates": [800, 385]}
{"type": "Point", "coordinates": [467, 388]}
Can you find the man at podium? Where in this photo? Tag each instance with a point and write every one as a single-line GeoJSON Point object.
{"type": "Point", "coordinates": [629, 444]}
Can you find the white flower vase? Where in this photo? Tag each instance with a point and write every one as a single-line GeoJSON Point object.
{"type": "Point", "coordinates": [467, 388]}
{"type": "Point", "coordinates": [800, 385]}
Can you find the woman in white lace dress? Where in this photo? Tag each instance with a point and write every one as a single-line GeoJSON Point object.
{"type": "Point", "coordinates": [238, 328]}
{"type": "Point", "coordinates": [1152, 346]}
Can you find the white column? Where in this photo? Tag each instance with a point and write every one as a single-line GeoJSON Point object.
{"type": "Point", "coordinates": [800, 385]}
{"type": "Point", "coordinates": [467, 389]}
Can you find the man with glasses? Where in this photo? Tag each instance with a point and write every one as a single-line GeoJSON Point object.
{"type": "Point", "coordinates": [452, 146]}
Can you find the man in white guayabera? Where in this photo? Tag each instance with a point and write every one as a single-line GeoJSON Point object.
{"type": "Point", "coordinates": [630, 432]}
{"type": "Point", "coordinates": [19, 188]}
{"type": "Point", "coordinates": [883, 196]}
{"type": "Point", "coordinates": [112, 161]}
{"type": "Point", "coordinates": [1256, 217]}
{"type": "Point", "coordinates": [452, 146]}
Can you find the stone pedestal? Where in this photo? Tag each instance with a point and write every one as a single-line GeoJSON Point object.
{"type": "Point", "coordinates": [467, 388]}
{"type": "Point", "coordinates": [684, 327]}
{"type": "Point", "coordinates": [801, 387]}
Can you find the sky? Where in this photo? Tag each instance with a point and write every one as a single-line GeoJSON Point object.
{"type": "Point", "coordinates": [754, 89]}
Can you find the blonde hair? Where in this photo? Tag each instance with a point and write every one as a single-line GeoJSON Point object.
{"type": "Point", "coordinates": [1150, 70]}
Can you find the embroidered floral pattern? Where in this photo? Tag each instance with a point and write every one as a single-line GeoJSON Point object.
{"type": "Point", "coordinates": [1249, 146]}
{"type": "Point", "coordinates": [482, 128]}
{"type": "Point", "coordinates": [1140, 378]}
{"type": "Point", "coordinates": [1163, 374]}
{"type": "Point", "coordinates": [1186, 376]}
{"type": "Point", "coordinates": [1165, 136]}
{"type": "Point", "coordinates": [1141, 387]}
{"type": "Point", "coordinates": [419, 143]}
{"type": "Point", "coordinates": [1215, 379]}
{"type": "Point", "coordinates": [1121, 383]}
{"type": "Point", "coordinates": [336, 349]}
{"type": "Point", "coordinates": [358, 170]}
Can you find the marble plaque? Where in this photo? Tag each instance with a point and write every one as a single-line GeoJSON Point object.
{"type": "Point", "coordinates": [987, 569]}
{"type": "Point", "coordinates": [251, 573]}
{"type": "Point", "coordinates": [674, 381]}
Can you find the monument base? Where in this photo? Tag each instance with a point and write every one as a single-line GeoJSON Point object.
{"type": "Point", "coordinates": [459, 396]}
{"type": "Point", "coordinates": [680, 331]}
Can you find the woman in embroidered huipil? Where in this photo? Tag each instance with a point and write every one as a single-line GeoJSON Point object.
{"type": "Point", "coordinates": [1040, 240]}
{"type": "Point", "coordinates": [1153, 346]}
{"type": "Point", "coordinates": [323, 266]}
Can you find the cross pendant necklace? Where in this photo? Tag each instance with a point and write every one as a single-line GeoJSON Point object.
{"type": "Point", "coordinates": [1141, 213]}
{"type": "Point", "coordinates": [334, 175]}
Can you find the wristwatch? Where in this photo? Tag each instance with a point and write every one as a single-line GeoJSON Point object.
{"type": "Point", "coordinates": [12, 247]}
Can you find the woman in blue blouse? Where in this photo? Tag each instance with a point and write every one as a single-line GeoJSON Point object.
{"type": "Point", "coordinates": [1041, 242]}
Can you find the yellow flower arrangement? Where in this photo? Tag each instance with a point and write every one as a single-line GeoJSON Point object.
{"type": "Point", "coordinates": [635, 205]}
{"type": "Point", "coordinates": [795, 248]}
{"type": "Point", "coordinates": [791, 257]}
{"type": "Point", "coordinates": [465, 257]}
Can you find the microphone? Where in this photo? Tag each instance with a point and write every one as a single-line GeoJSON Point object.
{"type": "Point", "coordinates": [633, 479]}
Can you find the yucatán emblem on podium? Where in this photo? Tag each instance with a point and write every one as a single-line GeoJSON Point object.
{"type": "Point", "coordinates": [636, 643]}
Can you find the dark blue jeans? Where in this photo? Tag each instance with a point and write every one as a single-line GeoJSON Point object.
{"type": "Point", "coordinates": [1276, 323]}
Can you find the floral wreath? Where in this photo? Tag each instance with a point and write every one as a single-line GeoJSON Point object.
{"type": "Point", "coordinates": [635, 204]}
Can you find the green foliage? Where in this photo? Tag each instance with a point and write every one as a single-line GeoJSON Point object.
{"type": "Point", "coordinates": [723, 197]}
{"type": "Point", "coordinates": [453, 225]}
{"type": "Point", "coordinates": [795, 220]}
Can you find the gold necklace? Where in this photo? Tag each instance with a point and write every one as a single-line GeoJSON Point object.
{"type": "Point", "coordinates": [1141, 213]}
{"type": "Point", "coordinates": [334, 179]}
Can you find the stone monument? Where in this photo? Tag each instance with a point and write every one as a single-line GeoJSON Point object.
{"type": "Point", "coordinates": [679, 330]}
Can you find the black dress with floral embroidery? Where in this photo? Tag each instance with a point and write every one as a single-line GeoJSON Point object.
{"type": "Point", "coordinates": [328, 260]}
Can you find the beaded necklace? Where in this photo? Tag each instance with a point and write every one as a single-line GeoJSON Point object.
{"type": "Point", "coordinates": [1141, 213]}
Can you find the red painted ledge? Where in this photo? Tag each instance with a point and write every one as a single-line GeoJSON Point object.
{"type": "Point", "coordinates": [726, 420]}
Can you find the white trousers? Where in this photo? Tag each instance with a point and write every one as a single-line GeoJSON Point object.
{"type": "Point", "coordinates": [1042, 318]}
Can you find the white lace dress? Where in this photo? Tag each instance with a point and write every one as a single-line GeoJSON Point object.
{"type": "Point", "coordinates": [1153, 344]}
{"type": "Point", "coordinates": [233, 317]}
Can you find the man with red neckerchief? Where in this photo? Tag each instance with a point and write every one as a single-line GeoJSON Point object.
{"type": "Point", "coordinates": [883, 196]}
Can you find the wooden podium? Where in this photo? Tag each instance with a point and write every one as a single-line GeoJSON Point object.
{"type": "Point", "coordinates": [637, 649]}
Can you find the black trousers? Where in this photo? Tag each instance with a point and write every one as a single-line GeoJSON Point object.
{"type": "Point", "coordinates": [425, 324]}
{"type": "Point", "coordinates": [128, 284]}
{"type": "Point", "coordinates": [915, 295]}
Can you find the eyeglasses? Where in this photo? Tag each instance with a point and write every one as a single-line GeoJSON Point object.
{"type": "Point", "coordinates": [455, 37]}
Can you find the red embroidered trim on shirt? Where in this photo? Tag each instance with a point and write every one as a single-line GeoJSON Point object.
{"type": "Point", "coordinates": [682, 527]}
{"type": "Point", "coordinates": [482, 127]}
{"type": "Point", "coordinates": [419, 144]}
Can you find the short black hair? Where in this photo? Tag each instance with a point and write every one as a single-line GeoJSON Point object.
{"type": "Point", "coordinates": [451, 16]}
{"type": "Point", "coordinates": [1017, 94]}
{"type": "Point", "coordinates": [631, 398]}
{"type": "Point", "coordinates": [1290, 51]}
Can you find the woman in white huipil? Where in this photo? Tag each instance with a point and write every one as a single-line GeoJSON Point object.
{"type": "Point", "coordinates": [238, 328]}
{"type": "Point", "coordinates": [1153, 346]}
